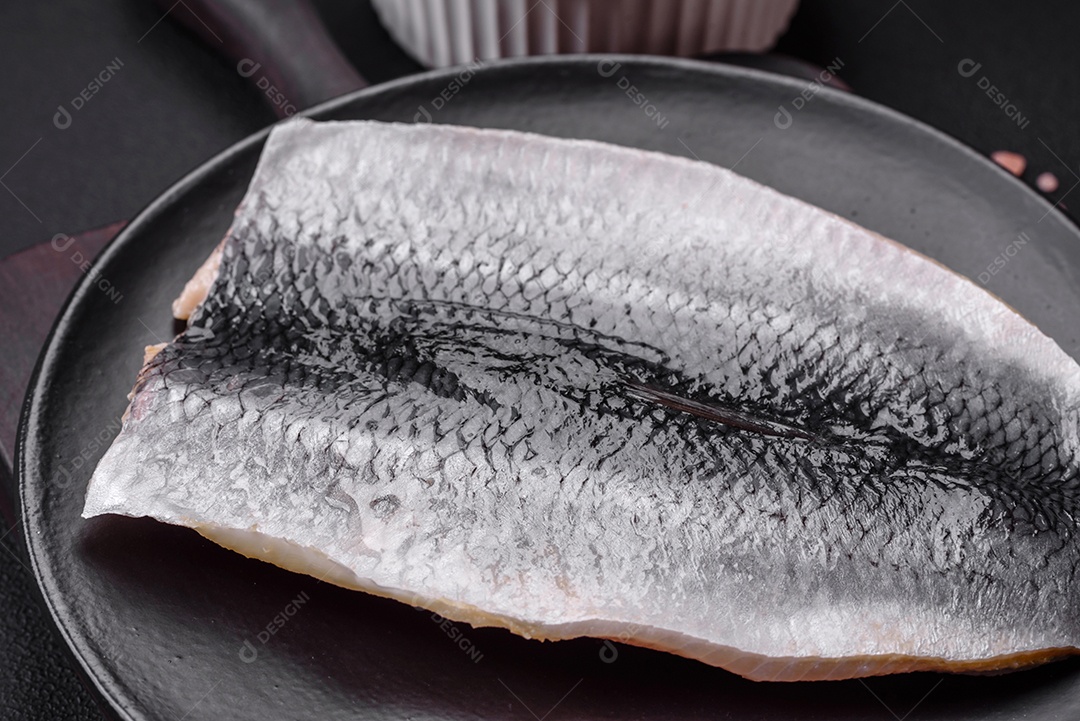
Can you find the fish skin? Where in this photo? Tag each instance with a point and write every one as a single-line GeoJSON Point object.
{"type": "Point", "coordinates": [419, 372]}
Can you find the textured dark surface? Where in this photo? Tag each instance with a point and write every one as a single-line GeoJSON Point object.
{"type": "Point", "coordinates": [38, 682]}
{"type": "Point", "coordinates": [174, 103]}
{"type": "Point", "coordinates": [153, 597]}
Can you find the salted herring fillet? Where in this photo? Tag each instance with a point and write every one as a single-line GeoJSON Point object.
{"type": "Point", "coordinates": [572, 389]}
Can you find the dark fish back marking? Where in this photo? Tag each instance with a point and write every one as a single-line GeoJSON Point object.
{"type": "Point", "coordinates": [717, 413]}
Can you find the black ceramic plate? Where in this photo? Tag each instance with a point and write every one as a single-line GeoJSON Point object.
{"type": "Point", "coordinates": [167, 625]}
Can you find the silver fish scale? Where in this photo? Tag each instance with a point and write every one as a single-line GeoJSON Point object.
{"type": "Point", "coordinates": [420, 356]}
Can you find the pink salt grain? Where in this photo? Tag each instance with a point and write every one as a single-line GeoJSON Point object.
{"type": "Point", "coordinates": [1013, 162]}
{"type": "Point", "coordinates": [1046, 182]}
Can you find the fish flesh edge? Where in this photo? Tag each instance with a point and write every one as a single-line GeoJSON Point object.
{"type": "Point", "coordinates": [573, 389]}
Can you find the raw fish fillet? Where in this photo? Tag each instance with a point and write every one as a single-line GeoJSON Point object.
{"type": "Point", "coordinates": [572, 389]}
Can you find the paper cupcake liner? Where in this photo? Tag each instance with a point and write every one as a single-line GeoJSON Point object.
{"type": "Point", "coordinates": [439, 33]}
